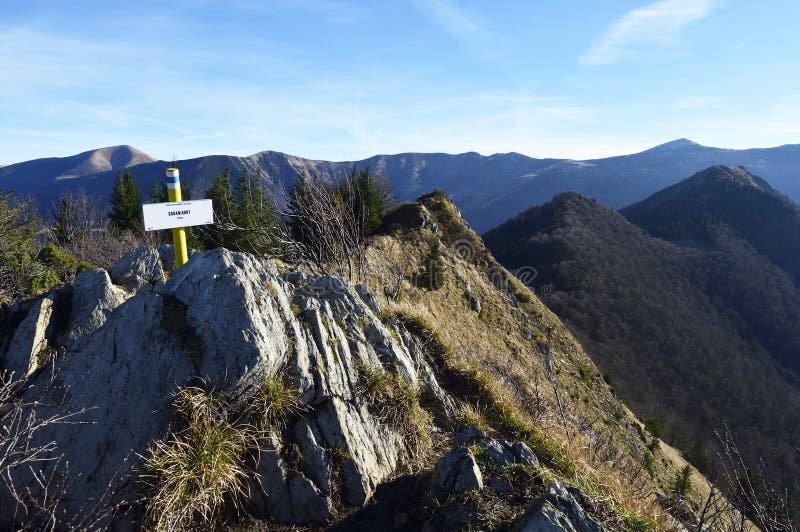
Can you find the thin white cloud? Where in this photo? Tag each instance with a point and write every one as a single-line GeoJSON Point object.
{"type": "Point", "coordinates": [459, 22]}
{"type": "Point", "coordinates": [658, 25]}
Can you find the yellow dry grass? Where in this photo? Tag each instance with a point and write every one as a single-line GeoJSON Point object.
{"type": "Point", "coordinates": [532, 365]}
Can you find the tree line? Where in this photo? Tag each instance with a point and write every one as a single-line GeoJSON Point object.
{"type": "Point", "coordinates": [323, 225]}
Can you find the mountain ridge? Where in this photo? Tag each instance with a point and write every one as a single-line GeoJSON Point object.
{"type": "Point", "coordinates": [487, 188]}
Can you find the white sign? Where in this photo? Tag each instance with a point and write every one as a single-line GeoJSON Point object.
{"type": "Point", "coordinates": [180, 214]}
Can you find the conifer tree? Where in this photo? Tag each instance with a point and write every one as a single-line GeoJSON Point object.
{"type": "Point", "coordinates": [20, 272]}
{"type": "Point", "coordinates": [65, 217]}
{"type": "Point", "coordinates": [221, 195]}
{"type": "Point", "coordinates": [432, 276]}
{"type": "Point", "coordinates": [368, 203]}
{"type": "Point", "coordinates": [255, 216]}
{"type": "Point", "coordinates": [682, 482]}
{"type": "Point", "coordinates": [298, 199]}
{"type": "Point", "coordinates": [157, 192]}
{"type": "Point", "coordinates": [126, 203]}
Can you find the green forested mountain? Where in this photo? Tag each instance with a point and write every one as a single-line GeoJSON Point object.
{"type": "Point", "coordinates": [697, 332]}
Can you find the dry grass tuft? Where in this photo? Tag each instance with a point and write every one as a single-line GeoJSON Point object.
{"type": "Point", "coordinates": [275, 401]}
{"type": "Point", "coordinates": [397, 402]}
{"type": "Point", "coordinates": [470, 415]}
{"type": "Point", "coordinates": [200, 469]}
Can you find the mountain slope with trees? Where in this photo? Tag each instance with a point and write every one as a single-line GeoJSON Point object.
{"type": "Point", "coordinates": [365, 399]}
{"type": "Point", "coordinates": [487, 189]}
{"type": "Point", "coordinates": [695, 335]}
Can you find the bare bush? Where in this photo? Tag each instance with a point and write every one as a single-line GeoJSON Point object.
{"type": "Point", "coordinates": [33, 474]}
{"type": "Point", "coordinates": [81, 227]}
{"type": "Point", "coordinates": [750, 490]}
{"type": "Point", "coordinates": [322, 230]}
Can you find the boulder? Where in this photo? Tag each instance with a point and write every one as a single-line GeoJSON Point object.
{"type": "Point", "coordinates": [556, 510]}
{"type": "Point", "coordinates": [93, 298]}
{"type": "Point", "coordinates": [457, 472]}
{"type": "Point", "coordinates": [678, 508]}
{"type": "Point", "coordinates": [28, 349]}
{"type": "Point", "coordinates": [407, 217]}
{"type": "Point", "coordinates": [500, 485]}
{"type": "Point", "coordinates": [286, 495]}
{"type": "Point", "coordinates": [501, 452]}
{"type": "Point", "coordinates": [138, 268]}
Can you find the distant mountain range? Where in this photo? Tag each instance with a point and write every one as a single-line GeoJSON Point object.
{"type": "Point", "coordinates": [487, 189]}
{"type": "Point", "coordinates": [689, 300]}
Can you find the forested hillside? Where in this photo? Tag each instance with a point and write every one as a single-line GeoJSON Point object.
{"type": "Point", "coordinates": [694, 335]}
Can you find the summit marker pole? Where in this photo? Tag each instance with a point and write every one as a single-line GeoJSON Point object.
{"type": "Point", "coordinates": [179, 233]}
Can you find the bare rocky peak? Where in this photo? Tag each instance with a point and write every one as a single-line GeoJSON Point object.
{"type": "Point", "coordinates": [104, 159]}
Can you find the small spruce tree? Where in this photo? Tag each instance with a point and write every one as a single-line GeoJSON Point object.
{"type": "Point", "coordinates": [302, 231]}
{"type": "Point", "coordinates": [682, 483]}
{"type": "Point", "coordinates": [126, 203]}
{"type": "Point", "coordinates": [368, 202]}
{"type": "Point", "coordinates": [65, 221]}
{"type": "Point", "coordinates": [255, 216]}
{"type": "Point", "coordinates": [221, 195]}
{"type": "Point", "coordinates": [432, 276]}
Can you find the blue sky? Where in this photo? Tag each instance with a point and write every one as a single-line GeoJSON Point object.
{"type": "Point", "coordinates": [343, 80]}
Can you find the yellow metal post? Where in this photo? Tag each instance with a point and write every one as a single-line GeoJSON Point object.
{"type": "Point", "coordinates": [178, 234]}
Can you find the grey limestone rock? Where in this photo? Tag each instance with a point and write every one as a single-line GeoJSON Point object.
{"type": "Point", "coordinates": [138, 268]}
{"type": "Point", "coordinates": [29, 342]}
{"type": "Point", "coordinates": [232, 319]}
{"type": "Point", "coordinates": [457, 472]}
{"type": "Point", "coordinates": [556, 510]}
{"type": "Point", "coordinates": [501, 452]}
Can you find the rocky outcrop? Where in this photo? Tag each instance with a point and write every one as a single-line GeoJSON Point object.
{"type": "Point", "coordinates": [29, 343]}
{"type": "Point", "coordinates": [457, 472]}
{"type": "Point", "coordinates": [407, 216]}
{"type": "Point", "coordinates": [92, 300]}
{"type": "Point", "coordinates": [138, 268]}
{"type": "Point", "coordinates": [232, 319]}
{"type": "Point", "coordinates": [556, 510]}
{"type": "Point", "coordinates": [678, 509]}
{"type": "Point", "coordinates": [500, 452]}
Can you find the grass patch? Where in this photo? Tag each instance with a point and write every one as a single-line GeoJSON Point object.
{"type": "Point", "coordinates": [471, 382]}
{"type": "Point", "coordinates": [271, 289]}
{"type": "Point", "coordinates": [633, 522]}
{"type": "Point", "coordinates": [338, 456]}
{"type": "Point", "coordinates": [397, 402]}
{"type": "Point", "coordinates": [200, 468]}
{"type": "Point", "coordinates": [275, 401]}
{"type": "Point", "coordinates": [470, 416]}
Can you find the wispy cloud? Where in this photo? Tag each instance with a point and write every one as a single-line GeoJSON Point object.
{"type": "Point", "coordinates": [459, 22]}
{"type": "Point", "coordinates": [658, 24]}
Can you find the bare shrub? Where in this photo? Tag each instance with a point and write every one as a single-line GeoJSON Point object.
{"type": "Point", "coordinates": [33, 475]}
{"type": "Point", "coordinates": [322, 229]}
{"type": "Point", "coordinates": [81, 227]}
{"type": "Point", "coordinates": [750, 489]}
